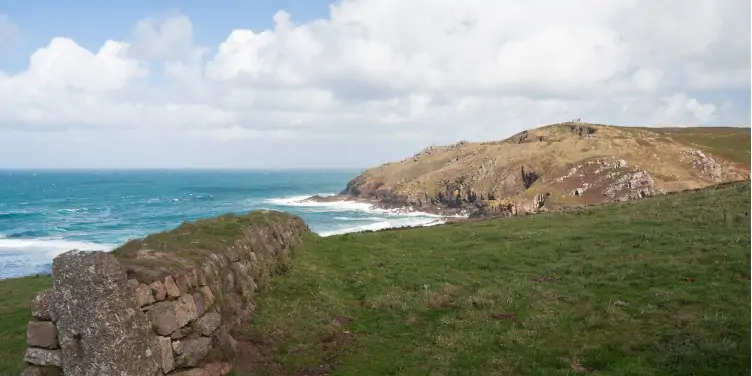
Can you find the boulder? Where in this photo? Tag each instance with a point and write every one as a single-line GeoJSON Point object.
{"type": "Point", "coordinates": [100, 327]}
{"type": "Point", "coordinates": [42, 334]}
{"type": "Point", "coordinates": [184, 283]}
{"type": "Point", "coordinates": [41, 305]}
{"type": "Point", "coordinates": [198, 299]}
{"type": "Point", "coordinates": [194, 350]}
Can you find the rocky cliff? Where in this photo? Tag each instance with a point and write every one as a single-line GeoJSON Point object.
{"type": "Point", "coordinates": [553, 166]}
{"type": "Point", "coordinates": [167, 304]}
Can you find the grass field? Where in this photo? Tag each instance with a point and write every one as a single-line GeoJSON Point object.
{"type": "Point", "coordinates": [654, 287]}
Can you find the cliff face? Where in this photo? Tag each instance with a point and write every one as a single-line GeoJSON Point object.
{"type": "Point", "coordinates": [557, 165]}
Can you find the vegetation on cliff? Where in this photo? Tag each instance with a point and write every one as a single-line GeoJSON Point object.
{"type": "Point", "coordinates": [558, 165]}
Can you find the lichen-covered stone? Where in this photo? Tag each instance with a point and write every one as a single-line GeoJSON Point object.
{"type": "Point", "coordinates": [172, 289]}
{"type": "Point", "coordinates": [177, 347]}
{"type": "Point", "coordinates": [163, 318]}
{"type": "Point", "coordinates": [200, 277]}
{"type": "Point", "coordinates": [143, 295]}
{"type": "Point", "coordinates": [207, 323]}
{"type": "Point", "coordinates": [100, 328]}
{"type": "Point", "coordinates": [208, 296]}
{"type": "Point", "coordinates": [41, 305]}
{"type": "Point", "coordinates": [228, 281]}
{"type": "Point", "coordinates": [43, 357]}
{"type": "Point", "coordinates": [185, 310]}
{"type": "Point", "coordinates": [42, 334]}
{"type": "Point", "coordinates": [158, 290]}
{"type": "Point", "coordinates": [184, 284]}
{"type": "Point", "coordinates": [165, 353]}
{"type": "Point", "coordinates": [194, 350]}
{"type": "Point", "coordinates": [198, 298]}
{"type": "Point", "coordinates": [132, 284]}
{"type": "Point", "coordinates": [182, 332]}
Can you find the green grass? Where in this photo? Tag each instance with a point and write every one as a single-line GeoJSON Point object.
{"type": "Point", "coordinates": [730, 143]}
{"type": "Point", "coordinates": [15, 313]}
{"type": "Point", "coordinates": [653, 287]}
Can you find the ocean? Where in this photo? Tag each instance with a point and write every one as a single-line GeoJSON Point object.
{"type": "Point", "coordinates": [45, 213]}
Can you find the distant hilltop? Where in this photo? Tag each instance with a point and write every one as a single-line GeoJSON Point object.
{"type": "Point", "coordinates": [554, 166]}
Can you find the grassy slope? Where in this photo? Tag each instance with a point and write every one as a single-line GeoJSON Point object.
{"type": "Point", "coordinates": [15, 313]}
{"type": "Point", "coordinates": [654, 287]}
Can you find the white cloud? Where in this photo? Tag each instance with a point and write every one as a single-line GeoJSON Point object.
{"type": "Point", "coordinates": [421, 71]}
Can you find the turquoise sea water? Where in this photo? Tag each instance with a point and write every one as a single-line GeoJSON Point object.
{"type": "Point", "coordinates": [45, 213]}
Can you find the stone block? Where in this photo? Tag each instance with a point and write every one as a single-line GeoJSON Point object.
{"type": "Point", "coordinates": [42, 334]}
{"type": "Point", "coordinates": [43, 357]}
{"type": "Point", "coordinates": [194, 350]}
{"type": "Point", "coordinates": [33, 370]}
{"type": "Point", "coordinates": [165, 353]}
{"type": "Point", "coordinates": [41, 305]}
{"type": "Point", "coordinates": [185, 310]}
{"type": "Point", "coordinates": [100, 327]}
{"type": "Point", "coordinates": [184, 284]}
{"type": "Point", "coordinates": [207, 323]}
{"type": "Point", "coordinates": [158, 290]}
{"type": "Point", "coordinates": [143, 295]}
{"type": "Point", "coordinates": [208, 296]}
{"type": "Point", "coordinates": [172, 289]}
{"type": "Point", "coordinates": [201, 307]}
{"type": "Point", "coordinates": [163, 318]}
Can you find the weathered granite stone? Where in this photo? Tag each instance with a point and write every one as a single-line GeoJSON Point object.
{"type": "Point", "coordinates": [42, 357]}
{"type": "Point", "coordinates": [198, 298]}
{"type": "Point", "coordinates": [177, 347]}
{"type": "Point", "coordinates": [194, 350]}
{"type": "Point", "coordinates": [185, 310]}
{"type": "Point", "coordinates": [100, 328]}
{"type": "Point", "coordinates": [171, 287]}
{"type": "Point", "coordinates": [207, 323]}
{"type": "Point", "coordinates": [193, 278]}
{"type": "Point", "coordinates": [165, 353]}
{"type": "Point", "coordinates": [182, 332]}
{"type": "Point", "coordinates": [42, 334]}
{"type": "Point", "coordinates": [41, 305]}
{"type": "Point", "coordinates": [208, 296]}
{"type": "Point", "coordinates": [143, 295]}
{"type": "Point", "coordinates": [158, 289]}
{"type": "Point", "coordinates": [132, 284]}
{"type": "Point", "coordinates": [163, 318]}
{"type": "Point", "coordinates": [33, 370]}
{"type": "Point", "coordinates": [190, 372]}
{"type": "Point", "coordinates": [184, 284]}
{"type": "Point", "coordinates": [200, 277]}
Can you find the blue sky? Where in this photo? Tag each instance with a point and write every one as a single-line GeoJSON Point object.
{"type": "Point", "coordinates": [351, 83]}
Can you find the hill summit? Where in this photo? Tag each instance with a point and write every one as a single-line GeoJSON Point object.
{"type": "Point", "coordinates": [554, 166]}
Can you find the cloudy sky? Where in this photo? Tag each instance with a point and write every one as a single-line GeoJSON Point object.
{"type": "Point", "coordinates": [306, 83]}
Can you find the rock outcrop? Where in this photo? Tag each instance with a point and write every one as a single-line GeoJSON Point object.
{"type": "Point", "coordinates": [141, 312]}
{"type": "Point", "coordinates": [545, 168]}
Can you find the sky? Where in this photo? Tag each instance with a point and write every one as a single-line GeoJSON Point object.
{"type": "Point", "coordinates": [355, 83]}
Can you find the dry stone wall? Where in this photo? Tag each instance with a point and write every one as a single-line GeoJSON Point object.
{"type": "Point", "coordinates": [145, 312]}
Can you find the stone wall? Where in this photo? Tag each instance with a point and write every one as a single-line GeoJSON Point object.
{"type": "Point", "coordinates": [163, 305]}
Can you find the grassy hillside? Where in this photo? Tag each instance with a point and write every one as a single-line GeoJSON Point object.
{"type": "Point", "coordinates": [653, 287]}
{"type": "Point", "coordinates": [658, 286]}
{"type": "Point", "coordinates": [560, 158]}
